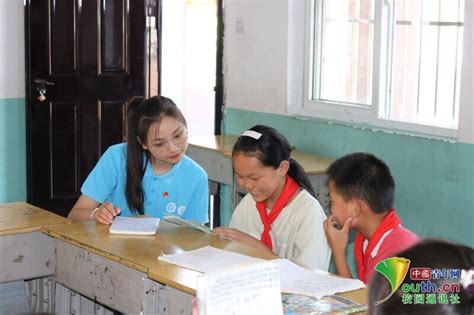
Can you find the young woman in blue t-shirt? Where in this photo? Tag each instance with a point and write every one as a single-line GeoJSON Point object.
{"type": "Point", "coordinates": [150, 174]}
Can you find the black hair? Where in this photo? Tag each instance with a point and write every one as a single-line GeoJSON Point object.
{"type": "Point", "coordinates": [271, 149]}
{"type": "Point", "coordinates": [434, 254]}
{"type": "Point", "coordinates": [363, 176]}
{"type": "Point", "coordinates": [141, 114]}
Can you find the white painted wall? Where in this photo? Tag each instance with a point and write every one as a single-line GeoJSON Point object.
{"type": "Point", "coordinates": [255, 54]}
{"type": "Point", "coordinates": [466, 104]}
{"type": "Point", "coordinates": [172, 68]}
{"type": "Point", "coordinates": [12, 104]}
{"type": "Point", "coordinates": [12, 57]}
{"type": "Point", "coordinates": [261, 61]}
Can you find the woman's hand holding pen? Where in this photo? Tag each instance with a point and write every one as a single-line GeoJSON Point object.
{"type": "Point", "coordinates": [106, 213]}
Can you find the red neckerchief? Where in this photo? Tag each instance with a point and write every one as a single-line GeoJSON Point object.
{"type": "Point", "coordinates": [390, 222]}
{"type": "Point", "coordinates": [289, 190]}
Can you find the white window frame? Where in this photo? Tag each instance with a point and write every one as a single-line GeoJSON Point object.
{"type": "Point", "coordinates": [300, 104]}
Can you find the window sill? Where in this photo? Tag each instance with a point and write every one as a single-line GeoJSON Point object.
{"type": "Point", "coordinates": [366, 118]}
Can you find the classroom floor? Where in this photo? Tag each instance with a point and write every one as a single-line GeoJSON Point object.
{"type": "Point", "coordinates": [13, 298]}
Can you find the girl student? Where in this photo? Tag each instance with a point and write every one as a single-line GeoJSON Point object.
{"type": "Point", "coordinates": [150, 173]}
{"type": "Point", "coordinates": [280, 213]}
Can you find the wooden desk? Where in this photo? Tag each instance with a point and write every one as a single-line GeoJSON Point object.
{"type": "Point", "coordinates": [184, 280]}
{"type": "Point", "coordinates": [121, 272]}
{"type": "Point", "coordinates": [214, 154]}
{"type": "Point", "coordinates": [112, 269]}
{"type": "Point", "coordinates": [26, 253]}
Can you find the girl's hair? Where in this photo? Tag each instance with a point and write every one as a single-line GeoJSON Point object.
{"type": "Point", "coordinates": [271, 149]}
{"type": "Point", "coordinates": [434, 254]}
{"type": "Point", "coordinates": [141, 114]}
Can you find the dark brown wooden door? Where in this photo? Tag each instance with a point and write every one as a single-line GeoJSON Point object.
{"type": "Point", "coordinates": [87, 58]}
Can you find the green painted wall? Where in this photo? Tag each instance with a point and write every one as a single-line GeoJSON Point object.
{"type": "Point", "coordinates": [12, 150]}
{"type": "Point", "coordinates": [434, 179]}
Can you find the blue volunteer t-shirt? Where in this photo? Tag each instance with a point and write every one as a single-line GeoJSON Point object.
{"type": "Point", "coordinates": [182, 191]}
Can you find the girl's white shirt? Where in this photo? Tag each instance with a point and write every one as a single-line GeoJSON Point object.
{"type": "Point", "coordinates": [297, 233]}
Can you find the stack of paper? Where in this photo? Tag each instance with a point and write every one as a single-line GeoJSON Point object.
{"type": "Point", "coordinates": [137, 226]}
{"type": "Point", "coordinates": [293, 278]}
{"type": "Point", "coordinates": [240, 289]}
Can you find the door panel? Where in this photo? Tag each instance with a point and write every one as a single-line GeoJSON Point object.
{"type": "Point", "coordinates": [63, 144]}
{"type": "Point", "coordinates": [111, 131]}
{"type": "Point", "coordinates": [113, 24]}
{"type": "Point", "coordinates": [88, 59]}
{"type": "Point", "coordinates": [63, 37]}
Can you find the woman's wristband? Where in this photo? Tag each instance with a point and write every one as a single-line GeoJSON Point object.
{"type": "Point", "coordinates": [93, 211]}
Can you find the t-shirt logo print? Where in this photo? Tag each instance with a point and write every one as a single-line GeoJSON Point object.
{"type": "Point", "coordinates": [181, 210]}
{"type": "Point", "coordinates": [171, 207]}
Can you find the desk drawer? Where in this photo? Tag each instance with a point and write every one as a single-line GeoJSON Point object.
{"type": "Point", "coordinates": [25, 256]}
{"type": "Point", "coordinates": [217, 166]}
{"type": "Point", "coordinates": [100, 279]}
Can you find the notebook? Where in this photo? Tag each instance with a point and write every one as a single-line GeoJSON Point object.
{"type": "Point", "coordinates": [136, 226]}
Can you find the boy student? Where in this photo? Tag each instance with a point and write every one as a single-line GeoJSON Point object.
{"type": "Point", "coordinates": [361, 191]}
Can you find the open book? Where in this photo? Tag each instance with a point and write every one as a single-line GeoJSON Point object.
{"type": "Point", "coordinates": [137, 226]}
{"type": "Point", "coordinates": [188, 223]}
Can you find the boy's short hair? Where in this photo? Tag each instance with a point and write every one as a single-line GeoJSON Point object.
{"type": "Point", "coordinates": [364, 176]}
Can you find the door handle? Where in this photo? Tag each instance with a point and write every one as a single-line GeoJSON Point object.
{"type": "Point", "coordinates": [43, 82]}
{"type": "Point", "coordinates": [41, 88]}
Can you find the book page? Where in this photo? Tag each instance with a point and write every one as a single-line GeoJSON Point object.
{"type": "Point", "coordinates": [207, 259]}
{"type": "Point", "coordinates": [138, 226]}
{"type": "Point", "coordinates": [241, 289]}
{"type": "Point", "coordinates": [295, 279]}
{"type": "Point", "coordinates": [188, 223]}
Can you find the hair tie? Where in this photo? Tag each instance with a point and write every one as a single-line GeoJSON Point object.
{"type": "Point", "coordinates": [252, 134]}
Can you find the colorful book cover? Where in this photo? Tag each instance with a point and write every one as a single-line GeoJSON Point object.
{"type": "Point", "coordinates": [331, 304]}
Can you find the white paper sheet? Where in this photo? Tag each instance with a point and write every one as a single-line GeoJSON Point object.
{"type": "Point", "coordinates": [240, 289]}
{"type": "Point", "coordinates": [295, 279]}
{"type": "Point", "coordinates": [137, 226]}
{"type": "Point", "coordinates": [207, 259]}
